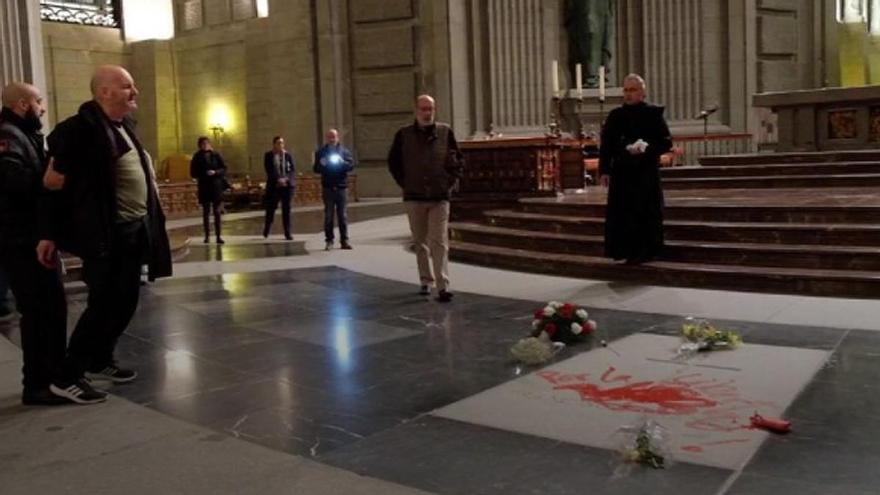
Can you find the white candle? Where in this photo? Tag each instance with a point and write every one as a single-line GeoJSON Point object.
{"type": "Point", "coordinates": [601, 82]}
{"type": "Point", "coordinates": [555, 77]}
{"type": "Point", "coordinates": [579, 80]}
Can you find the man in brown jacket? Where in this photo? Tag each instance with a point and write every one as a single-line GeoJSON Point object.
{"type": "Point", "coordinates": [426, 163]}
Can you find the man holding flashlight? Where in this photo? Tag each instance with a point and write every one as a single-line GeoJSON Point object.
{"type": "Point", "coordinates": [334, 161]}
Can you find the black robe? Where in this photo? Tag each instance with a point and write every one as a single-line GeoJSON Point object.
{"type": "Point", "coordinates": [634, 215]}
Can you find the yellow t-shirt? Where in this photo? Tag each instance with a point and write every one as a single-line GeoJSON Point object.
{"type": "Point", "coordinates": [131, 184]}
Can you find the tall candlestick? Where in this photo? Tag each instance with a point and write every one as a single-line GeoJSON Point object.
{"type": "Point", "coordinates": [602, 82]}
{"type": "Point", "coordinates": [555, 77]}
{"type": "Point", "coordinates": [579, 80]}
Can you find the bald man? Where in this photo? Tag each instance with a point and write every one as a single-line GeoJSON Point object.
{"type": "Point", "coordinates": [111, 218]}
{"type": "Point", "coordinates": [334, 162]}
{"type": "Point", "coordinates": [426, 163]}
{"type": "Point", "coordinates": [30, 263]}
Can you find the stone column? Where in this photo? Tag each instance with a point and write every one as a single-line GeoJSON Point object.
{"type": "Point", "coordinates": [519, 54]}
{"type": "Point", "coordinates": [21, 43]}
{"type": "Point", "coordinates": [673, 55]}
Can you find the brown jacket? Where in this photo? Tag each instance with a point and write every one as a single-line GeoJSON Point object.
{"type": "Point", "coordinates": [425, 162]}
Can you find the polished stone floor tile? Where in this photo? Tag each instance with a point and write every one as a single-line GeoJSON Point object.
{"type": "Point", "coordinates": [357, 370]}
{"type": "Point", "coordinates": [704, 403]}
{"type": "Point", "coordinates": [754, 484]}
{"type": "Point", "coordinates": [426, 452]}
{"type": "Point", "coordinates": [340, 333]}
{"type": "Point", "coordinates": [236, 252]}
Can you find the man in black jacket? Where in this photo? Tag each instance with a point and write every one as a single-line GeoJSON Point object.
{"type": "Point", "coordinates": [35, 282]}
{"type": "Point", "coordinates": [334, 161]}
{"type": "Point", "coordinates": [426, 163]}
{"type": "Point", "coordinates": [280, 182]}
{"type": "Point", "coordinates": [111, 217]}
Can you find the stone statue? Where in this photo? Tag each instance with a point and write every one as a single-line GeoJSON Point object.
{"type": "Point", "coordinates": [590, 26]}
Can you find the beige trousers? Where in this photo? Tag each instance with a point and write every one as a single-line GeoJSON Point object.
{"type": "Point", "coordinates": [429, 222]}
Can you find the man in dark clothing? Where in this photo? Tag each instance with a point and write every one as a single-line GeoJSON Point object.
{"type": "Point", "coordinates": [426, 163]}
{"type": "Point", "coordinates": [634, 137]}
{"type": "Point", "coordinates": [111, 217]}
{"type": "Point", "coordinates": [280, 183]}
{"type": "Point", "coordinates": [25, 232]}
{"type": "Point", "coordinates": [334, 161]}
{"type": "Point", "coordinates": [209, 169]}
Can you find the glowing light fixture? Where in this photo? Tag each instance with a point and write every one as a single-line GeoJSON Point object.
{"type": "Point", "coordinates": [262, 8]}
{"type": "Point", "coordinates": [219, 120]}
{"type": "Point", "coordinates": [148, 20]}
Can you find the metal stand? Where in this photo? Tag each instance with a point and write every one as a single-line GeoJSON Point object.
{"type": "Point", "coordinates": [555, 115]}
{"type": "Point", "coordinates": [705, 134]}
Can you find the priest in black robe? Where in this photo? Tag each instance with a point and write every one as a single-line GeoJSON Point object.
{"type": "Point", "coordinates": [634, 137]}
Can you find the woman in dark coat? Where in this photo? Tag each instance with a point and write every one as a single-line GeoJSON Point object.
{"type": "Point", "coordinates": [208, 168]}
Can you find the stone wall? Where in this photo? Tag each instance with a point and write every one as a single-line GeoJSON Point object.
{"type": "Point", "coordinates": [71, 54]}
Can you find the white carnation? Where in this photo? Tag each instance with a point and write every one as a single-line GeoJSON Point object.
{"type": "Point", "coordinates": [582, 314]}
{"type": "Point", "coordinates": [576, 329]}
{"type": "Point", "coordinates": [549, 311]}
{"type": "Point", "coordinates": [555, 304]}
{"type": "Point", "coordinates": [536, 324]}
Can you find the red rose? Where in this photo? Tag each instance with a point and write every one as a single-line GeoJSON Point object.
{"type": "Point", "coordinates": [550, 328]}
{"type": "Point", "coordinates": [566, 311]}
{"type": "Point", "coordinates": [539, 314]}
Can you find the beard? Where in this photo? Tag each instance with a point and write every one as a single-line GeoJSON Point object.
{"type": "Point", "coordinates": [32, 120]}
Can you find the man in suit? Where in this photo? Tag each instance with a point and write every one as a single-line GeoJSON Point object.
{"type": "Point", "coordinates": [280, 182]}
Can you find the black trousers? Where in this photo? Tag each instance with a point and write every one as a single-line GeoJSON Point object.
{"type": "Point", "coordinates": [114, 283]}
{"type": "Point", "coordinates": [207, 208]}
{"type": "Point", "coordinates": [335, 205]}
{"type": "Point", "coordinates": [273, 196]}
{"type": "Point", "coordinates": [39, 298]}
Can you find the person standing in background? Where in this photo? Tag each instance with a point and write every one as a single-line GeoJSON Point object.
{"type": "Point", "coordinates": [280, 183]}
{"type": "Point", "coordinates": [334, 161]}
{"type": "Point", "coordinates": [209, 169]}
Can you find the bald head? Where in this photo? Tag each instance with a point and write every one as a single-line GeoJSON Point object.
{"type": "Point", "coordinates": [15, 92]}
{"type": "Point", "coordinates": [426, 109]}
{"type": "Point", "coordinates": [114, 90]}
{"type": "Point", "coordinates": [332, 137]}
{"type": "Point", "coordinates": [24, 100]}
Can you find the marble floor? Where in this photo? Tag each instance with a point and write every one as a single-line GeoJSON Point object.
{"type": "Point", "coordinates": [284, 368]}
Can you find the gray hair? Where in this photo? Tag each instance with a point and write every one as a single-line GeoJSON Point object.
{"type": "Point", "coordinates": [635, 77]}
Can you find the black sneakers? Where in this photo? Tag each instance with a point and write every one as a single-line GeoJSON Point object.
{"type": "Point", "coordinates": [444, 296]}
{"type": "Point", "coordinates": [345, 245]}
{"type": "Point", "coordinates": [80, 392]}
{"type": "Point", "coordinates": [424, 290]}
{"type": "Point", "coordinates": [113, 374]}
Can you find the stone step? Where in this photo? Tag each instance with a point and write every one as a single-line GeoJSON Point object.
{"type": "Point", "coordinates": [774, 181]}
{"type": "Point", "coordinates": [792, 214]}
{"type": "Point", "coordinates": [719, 253]}
{"type": "Point", "coordinates": [833, 283]}
{"type": "Point", "coordinates": [770, 233]}
{"type": "Point", "coordinates": [771, 170]}
{"type": "Point", "coordinates": [792, 157]}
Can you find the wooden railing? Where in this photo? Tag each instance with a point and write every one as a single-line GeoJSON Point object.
{"type": "Point", "coordinates": [548, 164]}
{"type": "Point", "coordinates": [522, 165]}
{"type": "Point", "coordinates": [687, 150]}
